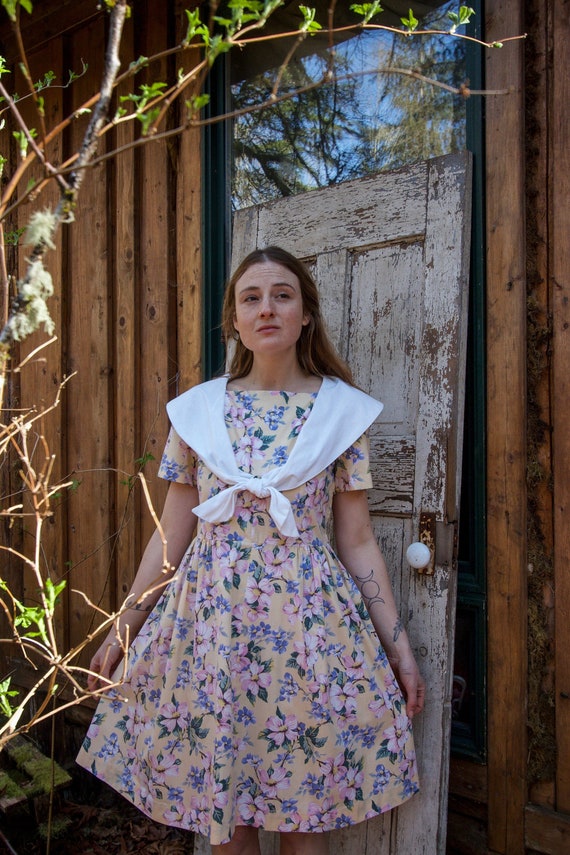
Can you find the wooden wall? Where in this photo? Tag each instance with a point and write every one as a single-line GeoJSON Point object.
{"type": "Point", "coordinates": [518, 801]}
{"type": "Point", "coordinates": [127, 311]}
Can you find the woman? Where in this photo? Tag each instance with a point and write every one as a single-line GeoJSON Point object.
{"type": "Point", "coordinates": [256, 692]}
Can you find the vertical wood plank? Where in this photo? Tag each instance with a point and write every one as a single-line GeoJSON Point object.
{"type": "Point", "coordinates": [87, 322]}
{"type": "Point", "coordinates": [560, 279]}
{"type": "Point", "coordinates": [189, 369]}
{"type": "Point", "coordinates": [153, 276]}
{"type": "Point", "coordinates": [125, 340]}
{"type": "Point", "coordinates": [506, 432]}
{"type": "Point", "coordinates": [540, 398]}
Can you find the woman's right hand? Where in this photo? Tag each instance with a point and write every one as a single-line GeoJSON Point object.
{"type": "Point", "coordinates": [104, 663]}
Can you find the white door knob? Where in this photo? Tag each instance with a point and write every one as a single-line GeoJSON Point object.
{"type": "Point", "coordinates": [418, 555]}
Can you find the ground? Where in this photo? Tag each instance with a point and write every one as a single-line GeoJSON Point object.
{"type": "Point", "coordinates": [98, 822]}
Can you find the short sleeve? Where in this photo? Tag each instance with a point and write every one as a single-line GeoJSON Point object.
{"type": "Point", "coordinates": [352, 468]}
{"type": "Point", "coordinates": [179, 463]}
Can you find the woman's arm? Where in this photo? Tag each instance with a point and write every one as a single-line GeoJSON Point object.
{"type": "Point", "coordinates": [178, 524]}
{"type": "Point", "coordinates": [358, 550]}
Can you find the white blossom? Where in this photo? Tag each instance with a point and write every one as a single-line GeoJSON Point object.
{"type": "Point", "coordinates": [41, 228]}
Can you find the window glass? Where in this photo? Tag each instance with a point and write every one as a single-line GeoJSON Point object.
{"type": "Point", "coordinates": [367, 120]}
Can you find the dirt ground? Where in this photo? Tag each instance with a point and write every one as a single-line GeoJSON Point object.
{"type": "Point", "coordinates": [92, 820]}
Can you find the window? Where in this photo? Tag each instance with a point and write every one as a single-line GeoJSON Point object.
{"type": "Point", "coordinates": [366, 120]}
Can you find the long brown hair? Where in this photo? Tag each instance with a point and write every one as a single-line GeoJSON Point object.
{"type": "Point", "coordinates": [315, 352]}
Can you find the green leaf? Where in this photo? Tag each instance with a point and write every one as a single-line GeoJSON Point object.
{"type": "Point", "coordinates": [11, 7]}
{"type": "Point", "coordinates": [195, 27]}
{"type": "Point", "coordinates": [461, 18]}
{"type": "Point", "coordinates": [309, 25]}
{"type": "Point", "coordinates": [367, 10]}
{"type": "Point", "coordinates": [147, 119]}
{"type": "Point", "coordinates": [52, 592]}
{"type": "Point", "coordinates": [196, 103]}
{"type": "Point", "coordinates": [146, 458]}
{"type": "Point", "coordinates": [5, 693]}
{"type": "Point", "coordinates": [411, 22]}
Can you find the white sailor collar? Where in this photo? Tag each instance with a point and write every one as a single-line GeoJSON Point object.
{"type": "Point", "coordinates": [339, 416]}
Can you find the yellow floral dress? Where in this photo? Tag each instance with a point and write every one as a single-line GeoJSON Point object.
{"type": "Point", "coordinates": [257, 692]}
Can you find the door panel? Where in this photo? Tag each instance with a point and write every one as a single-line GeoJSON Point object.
{"type": "Point", "coordinates": [391, 256]}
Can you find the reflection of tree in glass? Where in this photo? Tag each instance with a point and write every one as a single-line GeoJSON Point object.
{"type": "Point", "coordinates": [297, 145]}
{"type": "Point", "coordinates": [354, 126]}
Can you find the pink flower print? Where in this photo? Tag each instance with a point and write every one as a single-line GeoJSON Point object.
{"type": "Point", "coordinates": [161, 644]}
{"type": "Point", "coordinates": [377, 707]}
{"type": "Point", "coordinates": [349, 611]}
{"type": "Point", "coordinates": [319, 688]}
{"type": "Point", "coordinates": [143, 795]}
{"type": "Point", "coordinates": [343, 699]}
{"type": "Point", "coordinates": [136, 721]}
{"type": "Point", "coordinates": [225, 715]}
{"type": "Point", "coordinates": [258, 592]}
{"type": "Point", "coordinates": [248, 449]}
{"type": "Point", "coordinates": [308, 650]}
{"type": "Point", "coordinates": [316, 493]}
{"type": "Point", "coordinates": [281, 729]}
{"type": "Point", "coordinates": [255, 679]}
{"type": "Point", "coordinates": [272, 781]}
{"type": "Point", "coordinates": [238, 417]}
{"type": "Point", "coordinates": [163, 767]}
{"type": "Point", "coordinates": [319, 816]}
{"type": "Point", "coordinates": [230, 562]}
{"type": "Point", "coordinates": [351, 782]}
{"type": "Point", "coordinates": [293, 609]}
{"type": "Point", "coordinates": [397, 735]}
{"type": "Point", "coordinates": [206, 677]}
{"type": "Point", "coordinates": [203, 638]}
{"type": "Point", "coordinates": [408, 764]}
{"type": "Point", "coordinates": [174, 716]}
{"type": "Point", "coordinates": [314, 606]}
{"type": "Point", "coordinates": [93, 731]}
{"type": "Point", "coordinates": [252, 810]}
{"type": "Point", "coordinates": [277, 559]}
{"type": "Point", "coordinates": [354, 666]}
{"type": "Point", "coordinates": [200, 813]}
{"type": "Point", "coordinates": [219, 796]}
{"type": "Point", "coordinates": [292, 823]}
{"type": "Point", "coordinates": [247, 509]}
{"type": "Point", "coordinates": [328, 813]}
{"type": "Point", "coordinates": [240, 658]}
{"type": "Point", "coordinates": [392, 688]}
{"type": "Point", "coordinates": [334, 769]}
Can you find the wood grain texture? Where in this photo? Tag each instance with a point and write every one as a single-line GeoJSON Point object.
{"type": "Point", "coordinates": [506, 434]}
{"type": "Point", "coordinates": [560, 283]}
{"type": "Point", "coordinates": [157, 328]}
{"type": "Point", "coordinates": [125, 324]}
{"type": "Point", "coordinates": [86, 323]}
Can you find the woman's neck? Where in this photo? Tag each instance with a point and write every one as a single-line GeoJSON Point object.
{"type": "Point", "coordinates": [274, 377]}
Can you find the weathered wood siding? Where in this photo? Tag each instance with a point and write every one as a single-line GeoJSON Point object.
{"type": "Point", "coordinates": [519, 801]}
{"type": "Point", "coordinates": [128, 317]}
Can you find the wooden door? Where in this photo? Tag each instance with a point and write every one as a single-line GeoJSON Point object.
{"type": "Point", "coordinates": [390, 254]}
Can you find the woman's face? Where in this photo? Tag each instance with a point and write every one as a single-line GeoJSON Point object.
{"type": "Point", "coordinates": [269, 313]}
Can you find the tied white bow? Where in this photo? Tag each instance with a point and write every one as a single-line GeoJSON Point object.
{"type": "Point", "coordinates": [221, 507]}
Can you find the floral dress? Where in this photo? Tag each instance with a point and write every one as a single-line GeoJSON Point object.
{"type": "Point", "coordinates": [257, 692]}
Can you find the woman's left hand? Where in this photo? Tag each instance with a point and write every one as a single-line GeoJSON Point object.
{"type": "Point", "coordinates": [412, 684]}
